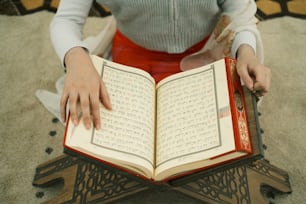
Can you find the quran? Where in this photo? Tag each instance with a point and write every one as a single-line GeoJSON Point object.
{"type": "Point", "coordinates": [187, 122]}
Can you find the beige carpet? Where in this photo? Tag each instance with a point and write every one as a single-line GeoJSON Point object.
{"type": "Point", "coordinates": [28, 63]}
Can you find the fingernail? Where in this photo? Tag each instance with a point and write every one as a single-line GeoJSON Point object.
{"type": "Point", "coordinates": [75, 122]}
{"type": "Point", "coordinates": [87, 125]}
{"type": "Point", "coordinates": [98, 126]}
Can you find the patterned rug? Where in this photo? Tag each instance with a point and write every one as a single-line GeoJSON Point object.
{"type": "Point", "coordinates": [23, 7]}
{"type": "Point", "coordinates": [267, 9]}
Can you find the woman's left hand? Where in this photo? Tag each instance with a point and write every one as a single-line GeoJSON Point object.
{"type": "Point", "coordinates": [256, 76]}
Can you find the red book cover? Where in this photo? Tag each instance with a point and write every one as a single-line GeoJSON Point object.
{"type": "Point", "coordinates": [238, 108]}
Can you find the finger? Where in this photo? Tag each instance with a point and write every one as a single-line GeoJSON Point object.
{"type": "Point", "coordinates": [243, 72]}
{"type": "Point", "coordinates": [262, 83]}
{"type": "Point", "coordinates": [73, 99]}
{"type": "Point", "coordinates": [63, 106]}
{"type": "Point", "coordinates": [85, 108]}
{"type": "Point", "coordinates": [104, 96]}
{"type": "Point", "coordinates": [95, 110]}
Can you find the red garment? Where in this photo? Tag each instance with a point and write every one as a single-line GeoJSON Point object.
{"type": "Point", "coordinates": [158, 64]}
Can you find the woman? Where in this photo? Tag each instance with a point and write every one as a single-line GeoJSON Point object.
{"type": "Point", "coordinates": [153, 35]}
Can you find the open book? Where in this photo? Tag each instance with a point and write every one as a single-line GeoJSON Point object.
{"type": "Point", "coordinates": [187, 122]}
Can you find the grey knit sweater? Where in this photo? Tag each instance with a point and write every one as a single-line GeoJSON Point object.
{"type": "Point", "coordinates": [162, 25]}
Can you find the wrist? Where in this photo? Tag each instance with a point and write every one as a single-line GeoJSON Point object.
{"type": "Point", "coordinates": [72, 53]}
{"type": "Point", "coordinates": [245, 50]}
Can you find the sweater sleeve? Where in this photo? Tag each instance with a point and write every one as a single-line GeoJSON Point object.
{"type": "Point", "coordinates": [242, 12]}
{"type": "Point", "coordinates": [66, 27]}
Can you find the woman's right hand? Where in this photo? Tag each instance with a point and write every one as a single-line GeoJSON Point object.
{"type": "Point", "coordinates": [83, 85]}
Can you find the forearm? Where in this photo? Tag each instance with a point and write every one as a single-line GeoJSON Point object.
{"type": "Point", "coordinates": [67, 26]}
{"type": "Point", "coordinates": [245, 51]}
{"type": "Point", "coordinates": [242, 14]}
{"type": "Point", "coordinates": [241, 40]}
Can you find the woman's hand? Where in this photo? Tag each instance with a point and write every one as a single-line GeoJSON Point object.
{"type": "Point", "coordinates": [83, 86]}
{"type": "Point", "coordinates": [256, 76]}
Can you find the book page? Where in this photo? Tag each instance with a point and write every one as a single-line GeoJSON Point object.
{"type": "Point", "coordinates": [127, 131]}
{"type": "Point", "coordinates": [192, 112]}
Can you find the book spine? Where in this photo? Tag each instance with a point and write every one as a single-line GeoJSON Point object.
{"type": "Point", "coordinates": [238, 108]}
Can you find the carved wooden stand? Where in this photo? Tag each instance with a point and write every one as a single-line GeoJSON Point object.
{"type": "Point", "coordinates": [244, 182]}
